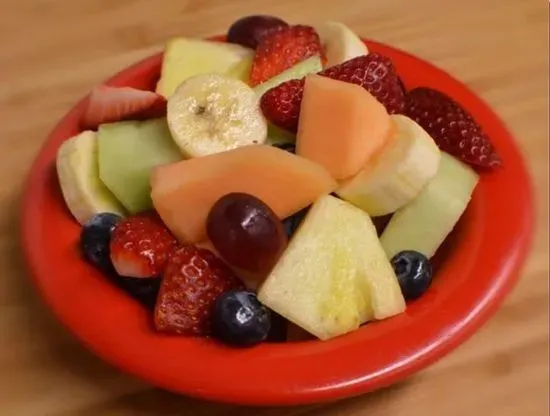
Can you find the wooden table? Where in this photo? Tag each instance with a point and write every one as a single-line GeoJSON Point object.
{"type": "Point", "coordinates": [53, 51]}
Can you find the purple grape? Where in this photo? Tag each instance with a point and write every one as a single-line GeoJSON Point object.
{"type": "Point", "coordinates": [249, 30]}
{"type": "Point", "coordinates": [246, 232]}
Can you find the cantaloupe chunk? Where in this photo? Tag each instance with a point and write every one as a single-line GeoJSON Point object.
{"type": "Point", "coordinates": [184, 192]}
{"type": "Point", "coordinates": [341, 125]}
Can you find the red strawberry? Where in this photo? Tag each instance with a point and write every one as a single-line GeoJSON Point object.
{"type": "Point", "coordinates": [377, 74]}
{"type": "Point", "coordinates": [193, 280]}
{"type": "Point", "coordinates": [282, 48]}
{"type": "Point", "coordinates": [374, 72]}
{"type": "Point", "coordinates": [281, 105]}
{"type": "Point", "coordinates": [141, 245]}
{"type": "Point", "coordinates": [451, 126]}
{"type": "Point", "coordinates": [110, 104]}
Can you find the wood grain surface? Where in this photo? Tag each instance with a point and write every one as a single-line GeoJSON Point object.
{"type": "Point", "coordinates": [53, 51]}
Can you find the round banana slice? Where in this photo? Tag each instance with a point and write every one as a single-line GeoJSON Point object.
{"type": "Point", "coordinates": [213, 113]}
{"type": "Point", "coordinates": [340, 42]}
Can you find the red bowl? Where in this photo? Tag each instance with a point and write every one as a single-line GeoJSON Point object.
{"type": "Point", "coordinates": [479, 265]}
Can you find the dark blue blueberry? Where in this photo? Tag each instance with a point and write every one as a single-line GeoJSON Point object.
{"type": "Point", "coordinates": [145, 291]}
{"type": "Point", "coordinates": [240, 319]}
{"type": "Point", "coordinates": [414, 273]}
{"type": "Point", "coordinates": [291, 223]}
{"type": "Point", "coordinates": [289, 147]}
{"type": "Point", "coordinates": [95, 237]}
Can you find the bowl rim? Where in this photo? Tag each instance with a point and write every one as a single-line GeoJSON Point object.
{"type": "Point", "coordinates": [309, 382]}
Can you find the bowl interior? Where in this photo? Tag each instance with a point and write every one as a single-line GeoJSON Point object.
{"type": "Point", "coordinates": [477, 266]}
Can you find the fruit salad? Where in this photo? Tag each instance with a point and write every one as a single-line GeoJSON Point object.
{"type": "Point", "coordinates": [240, 199]}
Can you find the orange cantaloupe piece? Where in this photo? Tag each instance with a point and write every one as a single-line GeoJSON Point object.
{"type": "Point", "coordinates": [184, 192]}
{"type": "Point", "coordinates": [341, 125]}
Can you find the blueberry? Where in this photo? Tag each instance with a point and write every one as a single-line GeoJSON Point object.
{"type": "Point", "coordinates": [414, 273]}
{"type": "Point", "coordinates": [289, 147]}
{"type": "Point", "coordinates": [291, 223]}
{"type": "Point", "coordinates": [240, 319]}
{"type": "Point", "coordinates": [95, 237]}
{"type": "Point", "coordinates": [145, 291]}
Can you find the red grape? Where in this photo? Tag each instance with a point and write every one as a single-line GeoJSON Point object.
{"type": "Point", "coordinates": [246, 232]}
{"type": "Point", "coordinates": [249, 30]}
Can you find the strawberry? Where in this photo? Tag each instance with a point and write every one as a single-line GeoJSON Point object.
{"type": "Point", "coordinates": [451, 126]}
{"type": "Point", "coordinates": [377, 74]}
{"type": "Point", "coordinates": [141, 245]}
{"type": "Point", "coordinates": [193, 280]}
{"type": "Point", "coordinates": [374, 72]}
{"type": "Point", "coordinates": [110, 104]}
{"type": "Point", "coordinates": [281, 105]}
{"type": "Point", "coordinates": [282, 48]}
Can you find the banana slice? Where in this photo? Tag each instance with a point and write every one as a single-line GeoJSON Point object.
{"type": "Point", "coordinates": [78, 174]}
{"type": "Point", "coordinates": [340, 42]}
{"type": "Point", "coordinates": [399, 172]}
{"type": "Point", "coordinates": [213, 113]}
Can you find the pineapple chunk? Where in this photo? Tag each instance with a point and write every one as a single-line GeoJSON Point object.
{"type": "Point", "coordinates": [334, 275]}
{"type": "Point", "coordinates": [186, 57]}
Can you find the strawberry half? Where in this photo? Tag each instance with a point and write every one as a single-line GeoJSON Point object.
{"type": "Point", "coordinates": [374, 72]}
{"type": "Point", "coordinates": [111, 104]}
{"type": "Point", "coordinates": [141, 245]}
{"type": "Point", "coordinates": [282, 48]}
{"type": "Point", "coordinates": [193, 280]}
{"type": "Point", "coordinates": [453, 129]}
